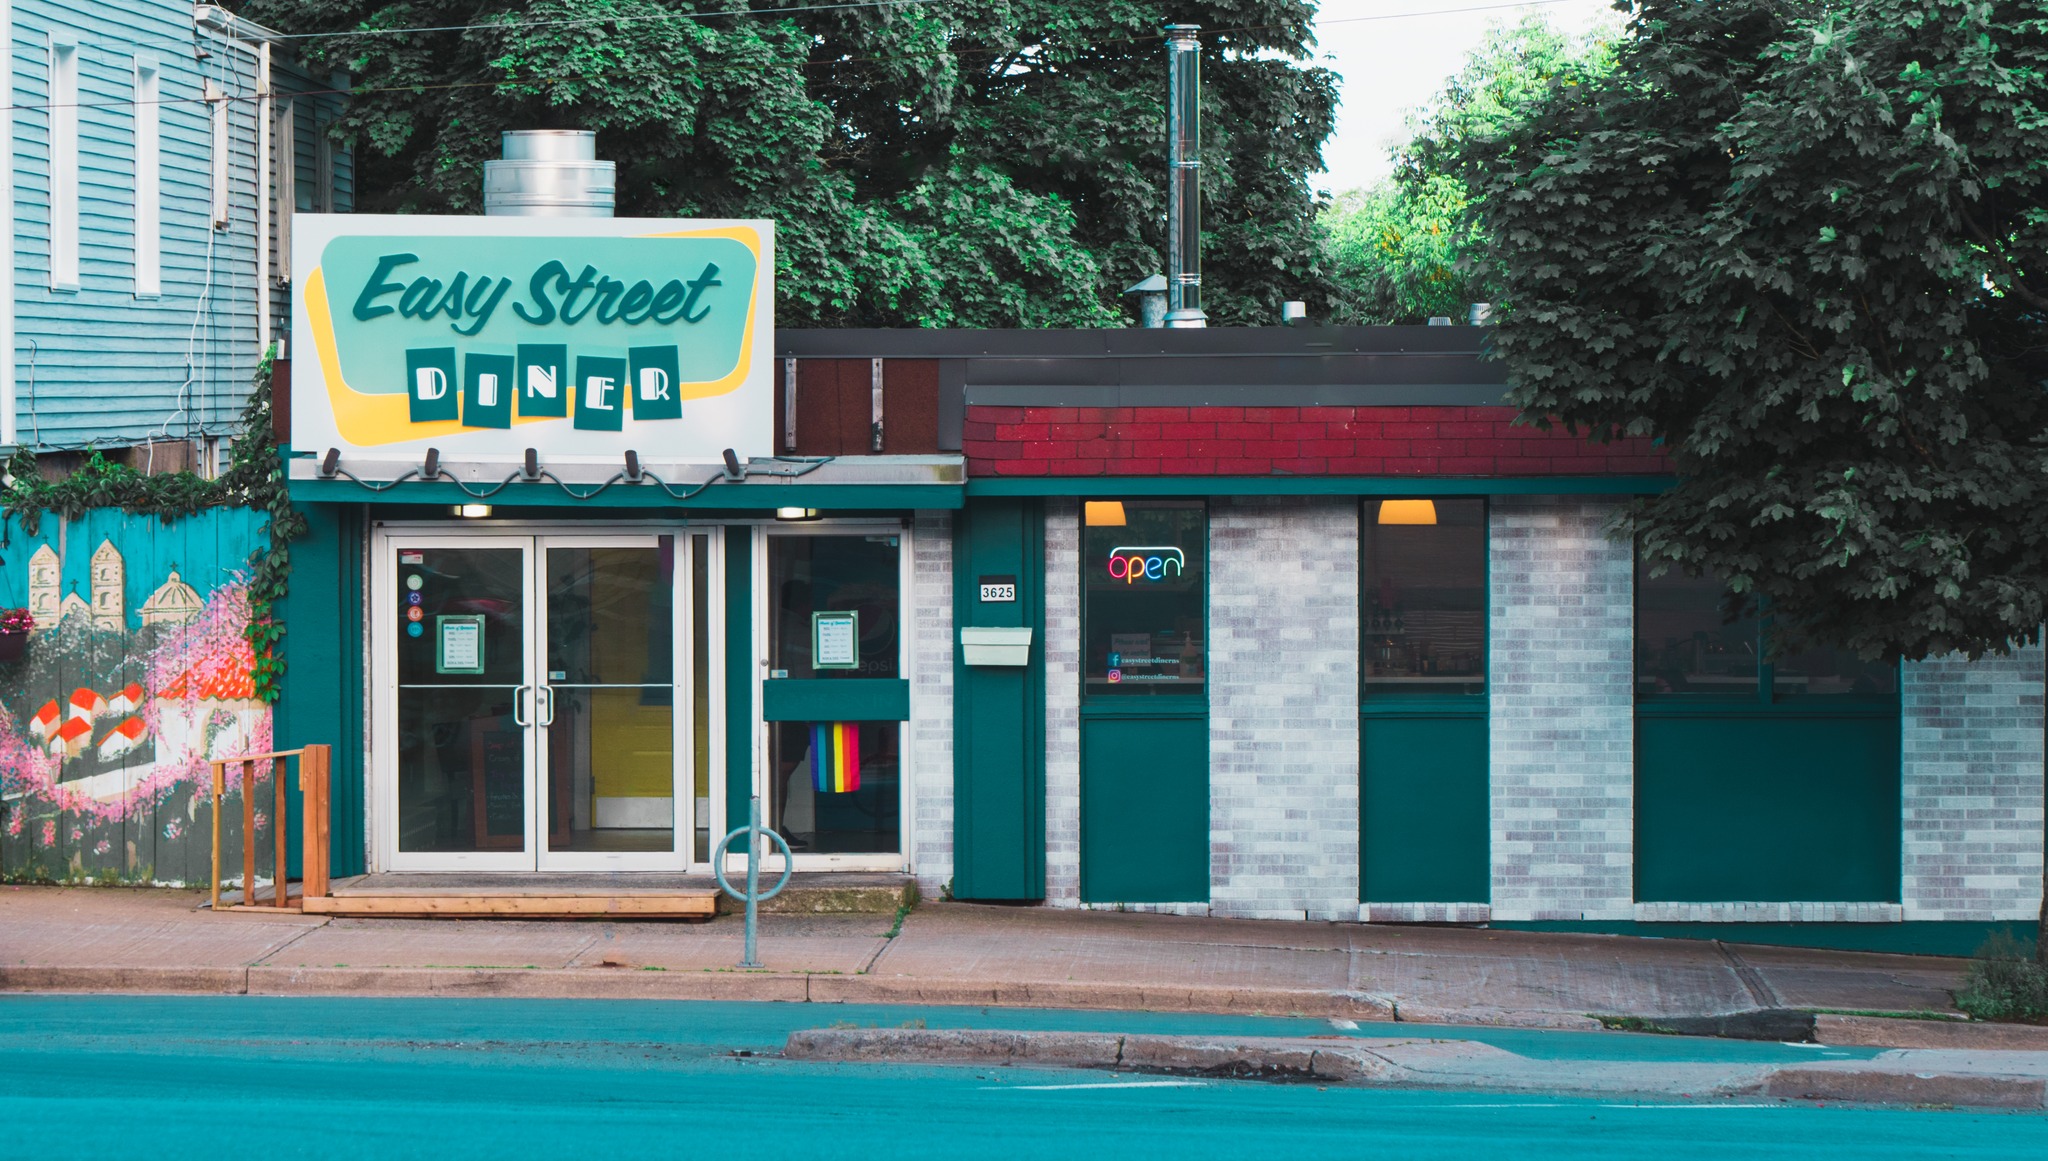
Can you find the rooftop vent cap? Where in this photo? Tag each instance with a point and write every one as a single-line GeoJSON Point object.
{"type": "Point", "coordinates": [1151, 294]}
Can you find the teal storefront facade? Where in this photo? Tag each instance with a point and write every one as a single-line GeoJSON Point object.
{"type": "Point", "coordinates": [1312, 631]}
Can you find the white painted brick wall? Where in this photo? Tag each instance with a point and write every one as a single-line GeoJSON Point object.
{"type": "Point", "coordinates": [1562, 709]}
{"type": "Point", "coordinates": [1971, 783]}
{"type": "Point", "coordinates": [1283, 708]}
{"type": "Point", "coordinates": [1063, 702]}
{"type": "Point", "coordinates": [931, 700]}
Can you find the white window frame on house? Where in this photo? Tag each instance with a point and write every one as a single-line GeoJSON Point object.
{"type": "Point", "coordinates": [220, 147]}
{"type": "Point", "coordinates": [63, 118]}
{"type": "Point", "coordinates": [284, 147]}
{"type": "Point", "coordinates": [149, 275]}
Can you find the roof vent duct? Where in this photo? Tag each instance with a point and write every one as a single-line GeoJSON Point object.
{"type": "Point", "coordinates": [1184, 176]}
{"type": "Point", "coordinates": [550, 173]}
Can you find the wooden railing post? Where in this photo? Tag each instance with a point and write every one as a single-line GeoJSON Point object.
{"type": "Point", "coordinates": [279, 829]}
{"type": "Point", "coordinates": [248, 832]}
{"type": "Point", "coordinates": [217, 777]}
{"type": "Point", "coordinates": [314, 855]}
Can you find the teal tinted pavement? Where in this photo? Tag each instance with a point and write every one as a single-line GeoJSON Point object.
{"type": "Point", "coordinates": [238, 1076]}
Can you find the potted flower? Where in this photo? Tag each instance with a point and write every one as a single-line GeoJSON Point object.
{"type": "Point", "coordinates": [14, 629]}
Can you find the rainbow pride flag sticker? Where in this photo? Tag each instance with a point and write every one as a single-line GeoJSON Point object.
{"type": "Point", "coordinates": [835, 757]}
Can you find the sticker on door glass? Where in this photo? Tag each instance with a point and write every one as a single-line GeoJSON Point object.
{"type": "Point", "coordinates": [412, 558]}
{"type": "Point", "coordinates": [459, 644]}
{"type": "Point", "coordinates": [835, 640]}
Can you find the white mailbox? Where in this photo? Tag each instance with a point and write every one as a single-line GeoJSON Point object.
{"type": "Point", "coordinates": [996, 646]}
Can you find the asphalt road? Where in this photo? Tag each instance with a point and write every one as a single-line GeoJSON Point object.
{"type": "Point", "coordinates": [172, 1077]}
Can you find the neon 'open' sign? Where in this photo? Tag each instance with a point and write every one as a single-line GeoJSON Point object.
{"type": "Point", "coordinates": [1146, 563]}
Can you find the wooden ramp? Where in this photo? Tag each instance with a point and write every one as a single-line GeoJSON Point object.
{"type": "Point", "coordinates": [515, 897]}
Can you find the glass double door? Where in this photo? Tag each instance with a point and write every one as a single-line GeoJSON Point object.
{"type": "Point", "coordinates": [542, 719]}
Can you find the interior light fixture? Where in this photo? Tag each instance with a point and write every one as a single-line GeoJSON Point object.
{"type": "Point", "coordinates": [1407, 512]}
{"type": "Point", "coordinates": [1103, 513]}
{"type": "Point", "coordinates": [472, 511]}
{"type": "Point", "coordinates": [796, 513]}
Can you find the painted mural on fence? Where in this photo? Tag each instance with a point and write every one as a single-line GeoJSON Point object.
{"type": "Point", "coordinates": [132, 673]}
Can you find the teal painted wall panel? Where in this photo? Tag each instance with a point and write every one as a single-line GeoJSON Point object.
{"type": "Point", "coordinates": [325, 648]}
{"type": "Point", "coordinates": [740, 678]}
{"type": "Point", "coordinates": [180, 365]}
{"type": "Point", "coordinates": [851, 699]}
{"type": "Point", "coordinates": [1424, 830]}
{"type": "Point", "coordinates": [1767, 807]}
{"type": "Point", "coordinates": [137, 674]}
{"type": "Point", "coordinates": [1145, 809]}
{"type": "Point", "coordinates": [999, 711]}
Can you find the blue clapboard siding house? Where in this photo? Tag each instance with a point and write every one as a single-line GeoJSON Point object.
{"type": "Point", "coordinates": [158, 153]}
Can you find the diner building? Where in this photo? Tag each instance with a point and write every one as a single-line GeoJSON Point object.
{"type": "Point", "coordinates": [1285, 623]}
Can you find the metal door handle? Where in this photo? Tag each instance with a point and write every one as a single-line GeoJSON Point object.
{"type": "Point", "coordinates": [518, 702]}
{"type": "Point", "coordinates": [550, 691]}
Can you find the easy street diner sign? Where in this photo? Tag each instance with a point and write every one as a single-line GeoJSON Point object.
{"type": "Point", "coordinates": [484, 336]}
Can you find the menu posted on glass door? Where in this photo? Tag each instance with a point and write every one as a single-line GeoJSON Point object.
{"type": "Point", "coordinates": [835, 640]}
{"type": "Point", "coordinates": [459, 644]}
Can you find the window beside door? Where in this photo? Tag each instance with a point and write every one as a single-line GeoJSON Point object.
{"type": "Point", "coordinates": [834, 608]}
{"type": "Point", "coordinates": [1144, 597]}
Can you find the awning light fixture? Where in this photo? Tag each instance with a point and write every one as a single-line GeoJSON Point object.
{"type": "Point", "coordinates": [1103, 513]}
{"type": "Point", "coordinates": [1407, 512]}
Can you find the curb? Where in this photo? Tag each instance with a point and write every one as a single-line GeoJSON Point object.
{"type": "Point", "coordinates": [629, 983]}
{"type": "Point", "coordinates": [1420, 1062]}
{"type": "Point", "coordinates": [1894, 1032]}
{"type": "Point", "coordinates": [1872, 1086]}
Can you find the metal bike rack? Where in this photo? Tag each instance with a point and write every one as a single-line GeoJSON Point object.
{"type": "Point", "coordinates": [753, 896]}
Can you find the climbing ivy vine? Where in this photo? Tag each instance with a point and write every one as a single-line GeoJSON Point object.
{"type": "Point", "coordinates": [253, 478]}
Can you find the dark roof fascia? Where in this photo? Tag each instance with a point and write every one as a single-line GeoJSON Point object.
{"type": "Point", "coordinates": [1222, 366]}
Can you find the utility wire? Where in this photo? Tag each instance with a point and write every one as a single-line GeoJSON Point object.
{"type": "Point", "coordinates": [713, 69]}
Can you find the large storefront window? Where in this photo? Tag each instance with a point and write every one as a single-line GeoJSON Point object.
{"type": "Point", "coordinates": [1423, 614]}
{"type": "Point", "coordinates": [835, 786]}
{"type": "Point", "coordinates": [1686, 643]}
{"type": "Point", "coordinates": [1144, 568]}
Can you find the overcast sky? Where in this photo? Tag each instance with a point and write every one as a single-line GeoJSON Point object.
{"type": "Point", "coordinates": [1394, 55]}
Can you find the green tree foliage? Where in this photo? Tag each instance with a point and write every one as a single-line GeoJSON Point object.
{"type": "Point", "coordinates": [1803, 243]}
{"type": "Point", "coordinates": [1400, 246]}
{"type": "Point", "coordinates": [956, 163]}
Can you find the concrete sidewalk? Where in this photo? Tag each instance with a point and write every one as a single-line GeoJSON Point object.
{"type": "Point", "coordinates": [154, 940]}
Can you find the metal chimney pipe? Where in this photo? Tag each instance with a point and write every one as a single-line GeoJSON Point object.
{"type": "Point", "coordinates": [1184, 177]}
{"type": "Point", "coordinates": [549, 173]}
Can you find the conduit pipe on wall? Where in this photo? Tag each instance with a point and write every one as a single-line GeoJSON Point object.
{"type": "Point", "coordinates": [254, 40]}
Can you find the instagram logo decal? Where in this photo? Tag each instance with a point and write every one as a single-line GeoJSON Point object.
{"type": "Point", "coordinates": [1131, 565]}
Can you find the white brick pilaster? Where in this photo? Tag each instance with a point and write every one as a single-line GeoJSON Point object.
{"type": "Point", "coordinates": [1562, 711]}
